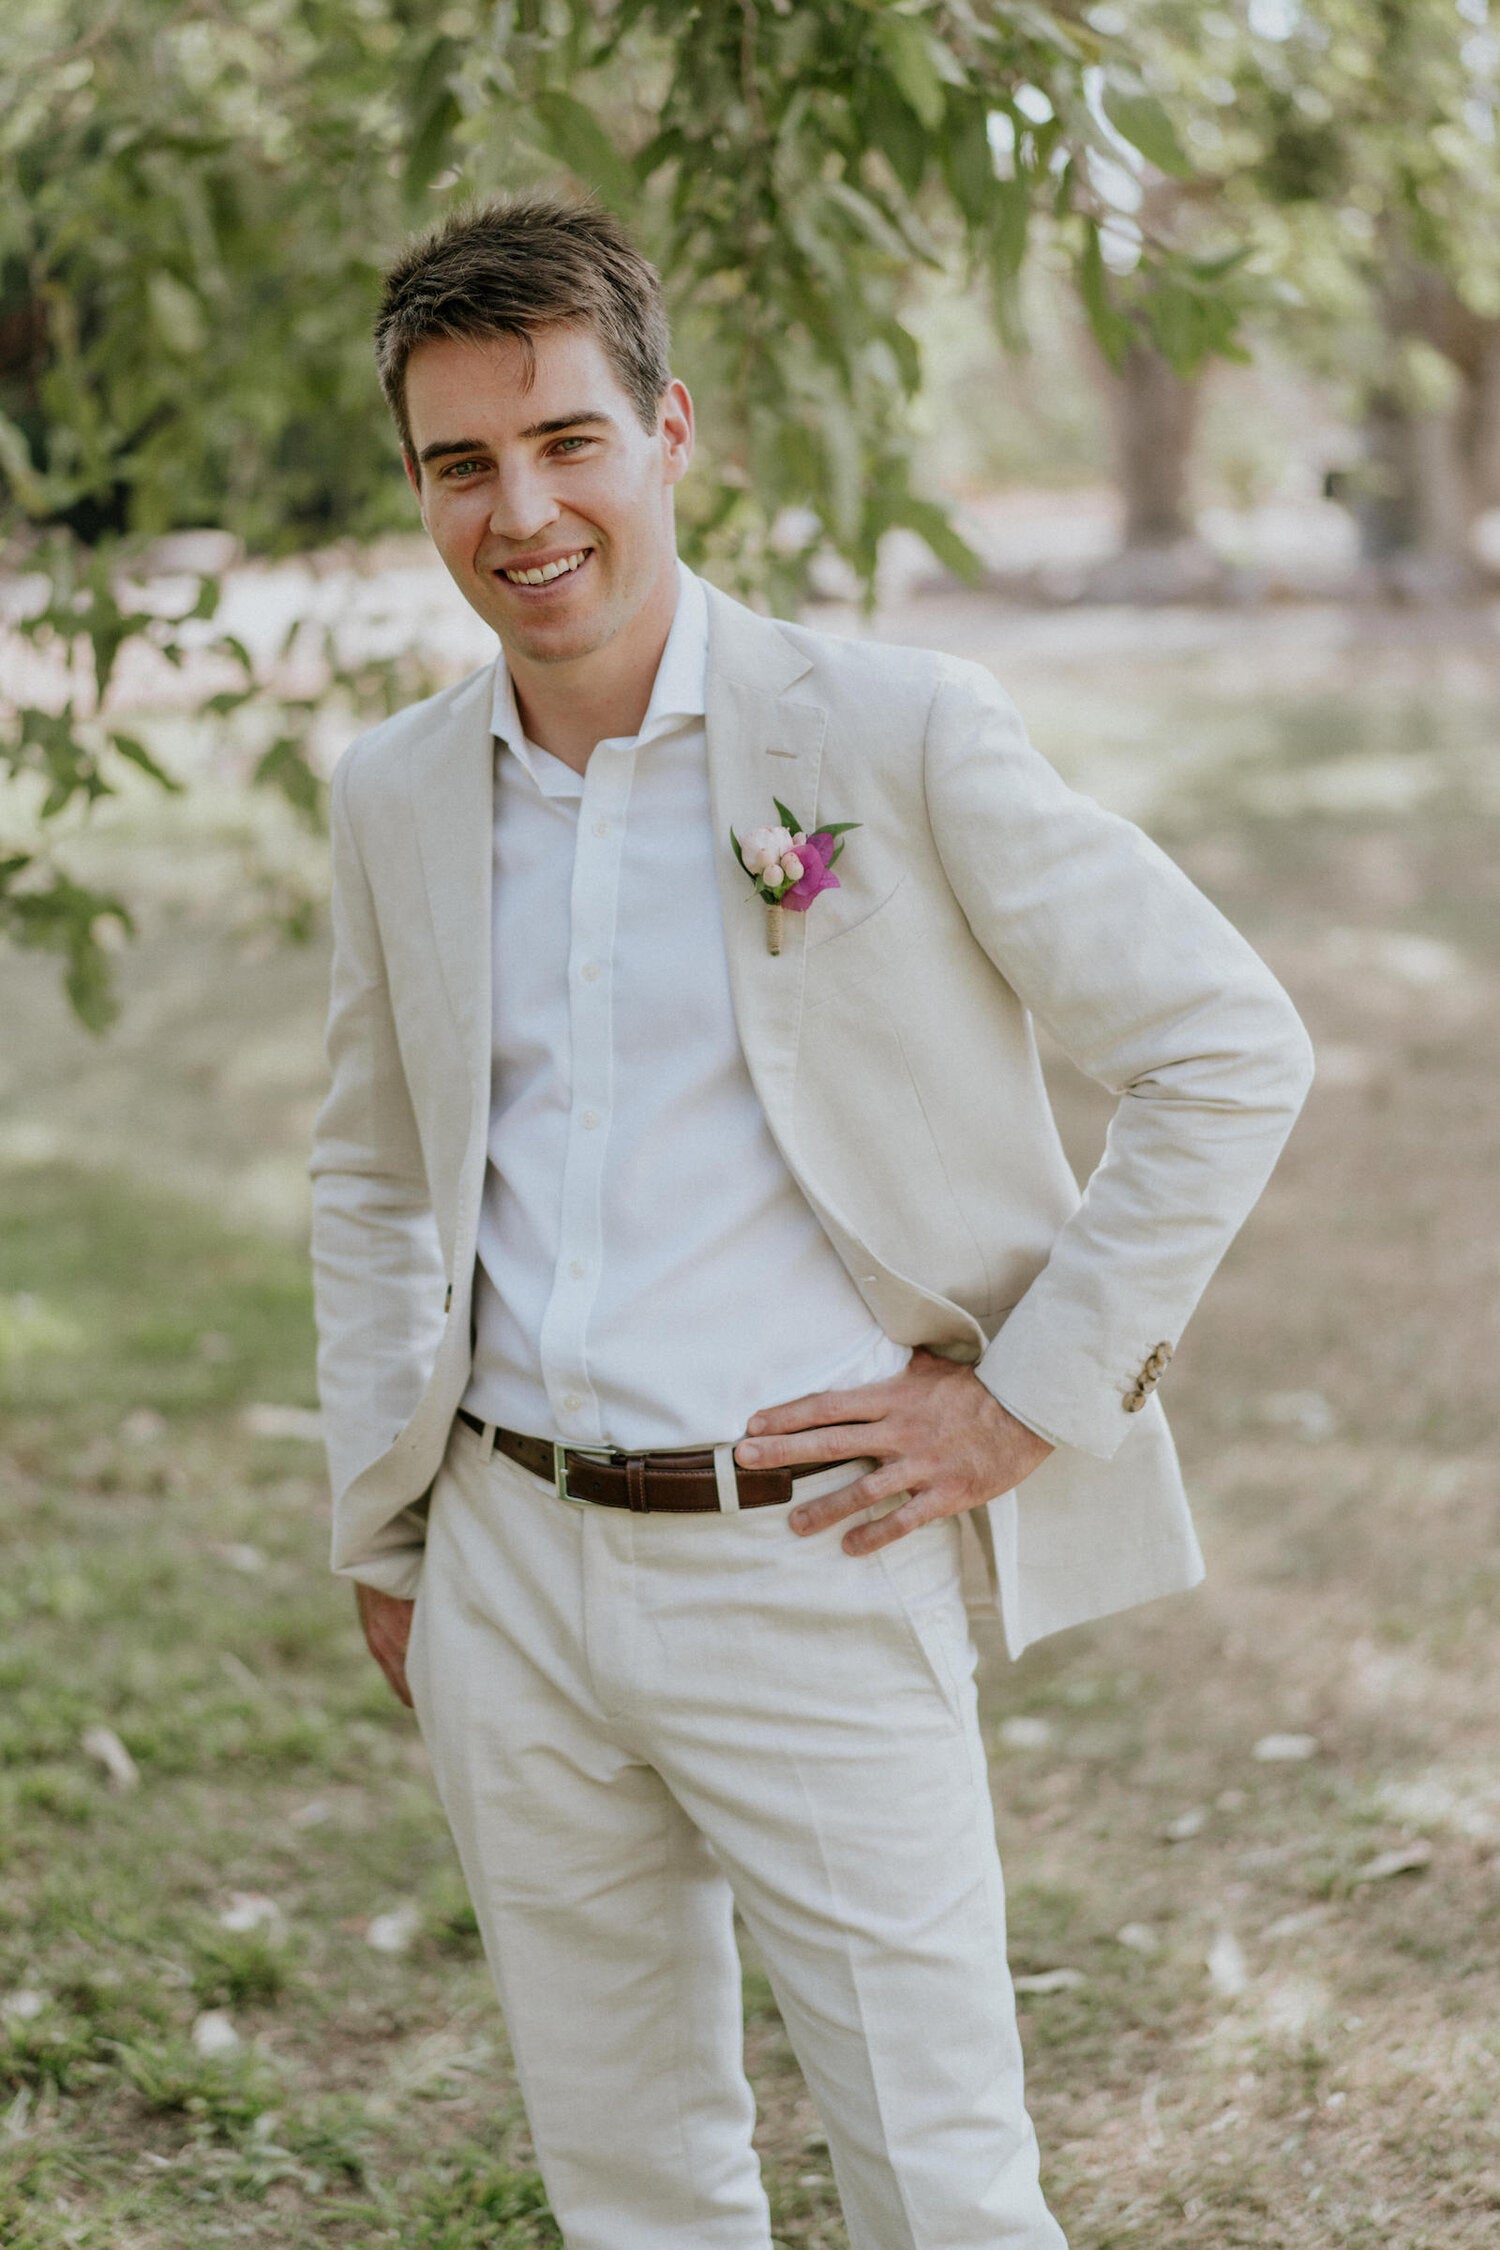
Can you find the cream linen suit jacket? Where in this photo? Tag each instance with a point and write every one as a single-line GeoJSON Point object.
{"type": "Point", "coordinates": [891, 1045]}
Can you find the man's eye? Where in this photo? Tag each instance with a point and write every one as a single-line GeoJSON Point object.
{"type": "Point", "coordinates": [569, 441]}
{"type": "Point", "coordinates": [456, 468]}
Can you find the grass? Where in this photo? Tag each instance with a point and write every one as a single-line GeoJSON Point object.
{"type": "Point", "coordinates": [1270, 2044]}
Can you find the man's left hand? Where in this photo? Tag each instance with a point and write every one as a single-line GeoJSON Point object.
{"type": "Point", "coordinates": [939, 1436]}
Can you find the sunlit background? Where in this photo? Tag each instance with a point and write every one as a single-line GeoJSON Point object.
{"type": "Point", "coordinates": [1252, 1835]}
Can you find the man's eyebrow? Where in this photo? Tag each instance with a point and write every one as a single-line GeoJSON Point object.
{"type": "Point", "coordinates": [569, 422]}
{"type": "Point", "coordinates": [442, 447]}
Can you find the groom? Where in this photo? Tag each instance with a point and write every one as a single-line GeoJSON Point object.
{"type": "Point", "coordinates": [697, 1319]}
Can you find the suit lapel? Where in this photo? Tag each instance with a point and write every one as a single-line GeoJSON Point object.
{"type": "Point", "coordinates": [764, 742]}
{"type": "Point", "coordinates": [451, 777]}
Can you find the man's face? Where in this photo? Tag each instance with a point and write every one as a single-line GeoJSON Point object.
{"type": "Point", "coordinates": [515, 478]}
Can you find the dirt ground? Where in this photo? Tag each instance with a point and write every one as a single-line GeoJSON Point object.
{"type": "Point", "coordinates": [1251, 1834]}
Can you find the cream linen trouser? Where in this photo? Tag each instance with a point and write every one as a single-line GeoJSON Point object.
{"type": "Point", "coordinates": [638, 1722]}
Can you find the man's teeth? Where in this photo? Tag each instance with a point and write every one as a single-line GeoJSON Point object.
{"type": "Point", "coordinates": [547, 571]}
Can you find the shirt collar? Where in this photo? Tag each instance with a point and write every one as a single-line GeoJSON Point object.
{"type": "Point", "coordinates": [679, 691]}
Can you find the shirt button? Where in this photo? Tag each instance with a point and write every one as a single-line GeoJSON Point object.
{"type": "Point", "coordinates": [578, 1269]}
{"type": "Point", "coordinates": [572, 1404]}
{"type": "Point", "coordinates": [590, 1119]}
{"type": "Point", "coordinates": [590, 972]}
{"type": "Point", "coordinates": [601, 827]}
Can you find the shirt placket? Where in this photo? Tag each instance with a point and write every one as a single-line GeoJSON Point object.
{"type": "Point", "coordinates": [593, 906]}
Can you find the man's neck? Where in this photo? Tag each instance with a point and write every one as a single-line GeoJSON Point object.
{"type": "Point", "coordinates": [567, 709]}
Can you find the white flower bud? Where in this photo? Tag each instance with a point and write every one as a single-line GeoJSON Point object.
{"type": "Point", "coordinates": [791, 867]}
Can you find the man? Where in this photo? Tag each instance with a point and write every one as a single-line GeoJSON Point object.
{"type": "Point", "coordinates": [691, 1311]}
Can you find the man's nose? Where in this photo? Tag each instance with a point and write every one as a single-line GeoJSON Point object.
{"type": "Point", "coordinates": [522, 508]}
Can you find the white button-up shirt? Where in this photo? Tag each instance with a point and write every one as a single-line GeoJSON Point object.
{"type": "Point", "coordinates": [649, 1272]}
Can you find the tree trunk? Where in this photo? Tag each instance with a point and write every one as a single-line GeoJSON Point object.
{"type": "Point", "coordinates": [1429, 466]}
{"type": "Point", "coordinates": [1153, 413]}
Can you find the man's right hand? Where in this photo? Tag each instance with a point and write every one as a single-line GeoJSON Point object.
{"type": "Point", "coordinates": [386, 1619]}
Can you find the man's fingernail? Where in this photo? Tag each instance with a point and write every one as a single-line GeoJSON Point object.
{"type": "Point", "coordinates": [756, 1423]}
{"type": "Point", "coordinates": [799, 1522]}
{"type": "Point", "coordinates": [747, 1453]}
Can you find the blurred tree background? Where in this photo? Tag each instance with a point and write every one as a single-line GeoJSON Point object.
{"type": "Point", "coordinates": [203, 196]}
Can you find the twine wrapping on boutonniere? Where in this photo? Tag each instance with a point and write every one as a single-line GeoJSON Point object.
{"type": "Point", "coordinates": [788, 867]}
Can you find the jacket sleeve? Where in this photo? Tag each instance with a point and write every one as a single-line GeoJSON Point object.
{"type": "Point", "coordinates": [377, 1260]}
{"type": "Point", "coordinates": [1152, 993]}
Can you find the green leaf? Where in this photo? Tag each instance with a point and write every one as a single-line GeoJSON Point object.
{"type": "Point", "coordinates": [31, 488]}
{"type": "Point", "coordinates": [907, 50]}
{"type": "Point", "coordinates": [930, 522]}
{"type": "Point", "coordinates": [968, 166]}
{"type": "Point", "coordinates": [139, 755]}
{"type": "Point", "coordinates": [285, 767]}
{"type": "Point", "coordinates": [1141, 119]}
{"type": "Point", "coordinates": [575, 136]}
{"type": "Point", "coordinates": [1112, 331]}
{"type": "Point", "coordinates": [787, 817]}
{"type": "Point", "coordinates": [837, 827]}
{"type": "Point", "coordinates": [668, 147]}
{"type": "Point", "coordinates": [176, 313]}
{"type": "Point", "coordinates": [434, 112]}
{"type": "Point", "coordinates": [61, 916]}
{"type": "Point", "coordinates": [889, 124]}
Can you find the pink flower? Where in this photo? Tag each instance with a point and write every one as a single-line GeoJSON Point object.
{"type": "Point", "coordinates": [791, 865]}
{"type": "Point", "coordinates": [815, 875]}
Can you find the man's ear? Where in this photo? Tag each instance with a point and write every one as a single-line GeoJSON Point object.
{"type": "Point", "coordinates": [676, 430]}
{"type": "Point", "coordinates": [413, 474]}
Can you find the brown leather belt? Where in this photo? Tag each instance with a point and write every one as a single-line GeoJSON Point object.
{"type": "Point", "coordinates": [648, 1483]}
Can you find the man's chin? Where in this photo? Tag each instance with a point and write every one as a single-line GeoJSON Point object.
{"type": "Point", "coordinates": [558, 638]}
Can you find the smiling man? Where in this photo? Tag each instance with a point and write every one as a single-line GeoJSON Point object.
{"type": "Point", "coordinates": [692, 1313]}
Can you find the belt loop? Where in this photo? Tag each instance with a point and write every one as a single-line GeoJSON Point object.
{"type": "Point", "coordinates": [727, 1478]}
{"type": "Point", "coordinates": [635, 1483]}
{"type": "Point", "coordinates": [486, 1441]}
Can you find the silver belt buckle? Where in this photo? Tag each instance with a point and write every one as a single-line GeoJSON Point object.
{"type": "Point", "coordinates": [560, 1470]}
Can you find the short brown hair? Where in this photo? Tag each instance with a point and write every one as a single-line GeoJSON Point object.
{"type": "Point", "coordinates": [520, 263]}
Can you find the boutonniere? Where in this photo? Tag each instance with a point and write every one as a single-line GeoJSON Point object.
{"type": "Point", "coordinates": [788, 867]}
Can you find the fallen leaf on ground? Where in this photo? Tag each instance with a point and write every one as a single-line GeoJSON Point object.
{"type": "Point", "coordinates": [1051, 1980]}
{"type": "Point", "coordinates": [214, 2033]}
{"type": "Point", "coordinates": [23, 2005]}
{"type": "Point", "coordinates": [252, 1910]}
{"type": "Point", "coordinates": [1186, 1825]}
{"type": "Point", "coordinates": [239, 1556]}
{"type": "Point", "coordinates": [302, 1422]}
{"type": "Point", "coordinates": [1307, 1413]}
{"type": "Point", "coordinates": [1293, 1925]}
{"type": "Point", "coordinates": [1023, 1733]}
{"type": "Point", "coordinates": [1284, 1749]}
{"type": "Point", "coordinates": [1226, 1966]}
{"type": "Point", "coordinates": [105, 1745]}
{"type": "Point", "coordinates": [143, 1426]}
{"type": "Point", "coordinates": [1405, 1859]}
{"type": "Point", "coordinates": [1140, 1937]}
{"type": "Point", "coordinates": [393, 1932]}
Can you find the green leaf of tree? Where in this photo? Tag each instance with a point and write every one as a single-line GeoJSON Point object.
{"type": "Point", "coordinates": [1141, 119]}
{"type": "Point", "coordinates": [575, 136]}
{"type": "Point", "coordinates": [907, 49]}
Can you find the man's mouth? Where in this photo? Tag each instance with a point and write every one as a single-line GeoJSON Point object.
{"type": "Point", "coordinates": [544, 574]}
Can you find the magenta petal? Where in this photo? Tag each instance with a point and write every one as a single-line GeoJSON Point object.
{"type": "Point", "coordinates": [801, 895]}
